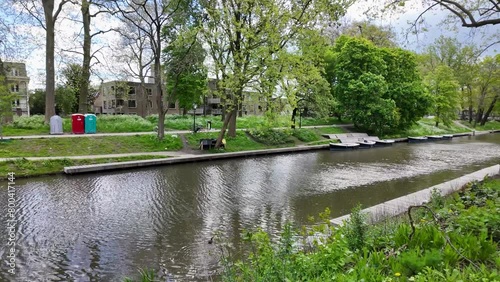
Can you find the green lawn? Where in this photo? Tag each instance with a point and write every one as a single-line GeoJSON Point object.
{"type": "Point", "coordinates": [425, 127]}
{"type": "Point", "coordinates": [242, 142]}
{"type": "Point", "coordinates": [35, 125]}
{"type": "Point", "coordinates": [490, 125]}
{"type": "Point", "coordinates": [78, 146]}
{"type": "Point", "coordinates": [26, 168]}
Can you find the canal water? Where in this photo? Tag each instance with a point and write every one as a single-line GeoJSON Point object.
{"type": "Point", "coordinates": [106, 226]}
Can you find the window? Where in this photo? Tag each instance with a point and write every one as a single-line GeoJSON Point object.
{"type": "Point", "coordinates": [14, 88]}
{"type": "Point", "coordinates": [149, 91]}
{"type": "Point", "coordinates": [150, 104]}
{"type": "Point", "coordinates": [171, 105]}
{"type": "Point", "coordinates": [14, 72]}
{"type": "Point", "coordinates": [16, 103]}
{"type": "Point", "coordinates": [119, 103]}
{"type": "Point", "coordinates": [105, 105]}
{"type": "Point", "coordinates": [131, 90]}
{"type": "Point", "coordinates": [113, 104]}
{"type": "Point", "coordinates": [131, 104]}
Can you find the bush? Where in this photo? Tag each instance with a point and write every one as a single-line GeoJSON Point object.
{"type": "Point", "coordinates": [31, 122]}
{"type": "Point", "coordinates": [356, 229]}
{"type": "Point", "coordinates": [305, 135]}
{"type": "Point", "coordinates": [271, 136]}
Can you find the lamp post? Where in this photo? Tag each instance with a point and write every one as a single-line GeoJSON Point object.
{"type": "Point", "coordinates": [194, 118]}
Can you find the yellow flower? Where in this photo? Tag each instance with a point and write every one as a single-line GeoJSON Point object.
{"type": "Point", "coordinates": [397, 274]}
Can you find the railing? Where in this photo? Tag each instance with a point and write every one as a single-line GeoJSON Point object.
{"type": "Point", "coordinates": [213, 101]}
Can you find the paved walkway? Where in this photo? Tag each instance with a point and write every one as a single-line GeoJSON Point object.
{"type": "Point", "coordinates": [160, 154]}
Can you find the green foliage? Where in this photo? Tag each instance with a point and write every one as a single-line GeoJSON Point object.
{"type": "Point", "coordinates": [378, 88]}
{"type": "Point", "coordinates": [145, 276]}
{"type": "Point", "coordinates": [412, 262]}
{"type": "Point", "coordinates": [384, 252]}
{"type": "Point", "coordinates": [271, 136]}
{"type": "Point", "coordinates": [444, 91]}
{"type": "Point", "coordinates": [356, 229]}
{"type": "Point", "coordinates": [6, 99]}
{"type": "Point", "coordinates": [305, 135]}
{"type": "Point", "coordinates": [37, 102]}
{"type": "Point", "coordinates": [31, 122]}
{"type": "Point", "coordinates": [92, 145]}
{"type": "Point", "coordinates": [427, 127]}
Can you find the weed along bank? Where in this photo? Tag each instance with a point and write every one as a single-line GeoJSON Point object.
{"type": "Point", "coordinates": [172, 212]}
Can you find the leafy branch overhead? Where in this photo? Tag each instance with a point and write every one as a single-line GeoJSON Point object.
{"type": "Point", "coordinates": [471, 14]}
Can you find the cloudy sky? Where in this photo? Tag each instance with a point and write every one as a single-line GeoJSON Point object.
{"type": "Point", "coordinates": [68, 37]}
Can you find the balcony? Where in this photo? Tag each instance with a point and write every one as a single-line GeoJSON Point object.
{"type": "Point", "coordinates": [213, 101]}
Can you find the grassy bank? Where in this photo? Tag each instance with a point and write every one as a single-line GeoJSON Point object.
{"type": "Point", "coordinates": [491, 125]}
{"type": "Point", "coordinates": [258, 139]}
{"type": "Point", "coordinates": [455, 239]}
{"type": "Point", "coordinates": [79, 146]}
{"type": "Point", "coordinates": [35, 125]}
{"type": "Point", "coordinates": [427, 127]}
{"type": "Point", "coordinates": [26, 168]}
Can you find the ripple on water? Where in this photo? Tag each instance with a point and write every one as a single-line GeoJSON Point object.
{"type": "Point", "coordinates": [104, 227]}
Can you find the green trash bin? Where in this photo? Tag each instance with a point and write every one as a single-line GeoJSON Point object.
{"type": "Point", "coordinates": [90, 123]}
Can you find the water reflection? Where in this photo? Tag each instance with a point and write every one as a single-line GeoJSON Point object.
{"type": "Point", "coordinates": [103, 227]}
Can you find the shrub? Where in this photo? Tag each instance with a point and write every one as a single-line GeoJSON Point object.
{"type": "Point", "coordinates": [31, 122]}
{"type": "Point", "coordinates": [305, 135]}
{"type": "Point", "coordinates": [356, 229]}
{"type": "Point", "coordinates": [271, 136]}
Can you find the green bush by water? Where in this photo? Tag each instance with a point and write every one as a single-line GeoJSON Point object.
{"type": "Point", "coordinates": [453, 246]}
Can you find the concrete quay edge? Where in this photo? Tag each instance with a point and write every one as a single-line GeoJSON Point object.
{"type": "Point", "coordinates": [187, 159]}
{"type": "Point", "coordinates": [400, 205]}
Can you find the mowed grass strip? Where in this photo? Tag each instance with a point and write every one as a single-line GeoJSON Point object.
{"type": "Point", "coordinates": [242, 142]}
{"type": "Point", "coordinates": [26, 168]}
{"type": "Point", "coordinates": [81, 146]}
{"type": "Point", "coordinates": [490, 125]}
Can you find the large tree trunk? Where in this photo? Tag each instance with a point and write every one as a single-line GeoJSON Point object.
{"type": "Point", "coordinates": [470, 112]}
{"type": "Point", "coordinates": [50, 108]}
{"type": "Point", "coordinates": [294, 114]}
{"type": "Point", "coordinates": [159, 100]}
{"type": "Point", "coordinates": [84, 80]}
{"type": "Point", "coordinates": [224, 128]}
{"type": "Point", "coordinates": [479, 116]}
{"type": "Point", "coordinates": [490, 109]}
{"type": "Point", "coordinates": [232, 123]}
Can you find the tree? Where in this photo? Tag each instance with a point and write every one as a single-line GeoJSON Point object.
{"type": "Point", "coordinates": [471, 14]}
{"type": "Point", "coordinates": [488, 85]}
{"type": "Point", "coordinates": [135, 52]}
{"type": "Point", "coordinates": [46, 18]}
{"type": "Point", "coordinates": [6, 99]}
{"type": "Point", "coordinates": [37, 102]}
{"type": "Point", "coordinates": [245, 37]}
{"type": "Point", "coordinates": [462, 61]}
{"type": "Point", "coordinates": [151, 17]}
{"type": "Point", "coordinates": [445, 93]}
{"type": "Point", "coordinates": [184, 66]}
{"type": "Point", "coordinates": [378, 88]}
{"type": "Point", "coordinates": [381, 36]}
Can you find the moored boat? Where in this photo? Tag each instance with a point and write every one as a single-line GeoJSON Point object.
{"type": "Point", "coordinates": [343, 146]}
{"type": "Point", "coordinates": [435, 137]}
{"type": "Point", "coordinates": [366, 144]}
{"type": "Point", "coordinates": [417, 139]}
{"type": "Point", "coordinates": [384, 142]}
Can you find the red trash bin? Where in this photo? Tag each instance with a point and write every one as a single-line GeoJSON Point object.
{"type": "Point", "coordinates": [78, 123]}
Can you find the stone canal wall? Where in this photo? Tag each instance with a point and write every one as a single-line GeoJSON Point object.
{"type": "Point", "coordinates": [400, 205]}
